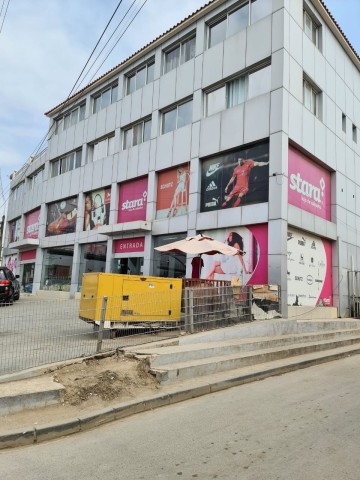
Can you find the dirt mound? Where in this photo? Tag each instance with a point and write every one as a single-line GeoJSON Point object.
{"type": "Point", "coordinates": [105, 379]}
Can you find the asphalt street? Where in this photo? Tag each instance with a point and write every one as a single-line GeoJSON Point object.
{"type": "Point", "coordinates": [301, 425]}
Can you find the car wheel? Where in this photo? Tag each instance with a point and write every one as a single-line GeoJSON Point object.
{"type": "Point", "coordinates": [17, 296]}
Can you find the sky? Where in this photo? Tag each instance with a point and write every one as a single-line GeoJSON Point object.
{"type": "Point", "coordinates": [44, 45]}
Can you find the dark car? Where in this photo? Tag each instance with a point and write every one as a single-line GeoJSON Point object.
{"type": "Point", "coordinates": [9, 286]}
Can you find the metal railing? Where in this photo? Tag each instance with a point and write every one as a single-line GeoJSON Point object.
{"type": "Point", "coordinates": [35, 332]}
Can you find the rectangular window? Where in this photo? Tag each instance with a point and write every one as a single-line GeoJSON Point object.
{"type": "Point", "coordinates": [142, 76]}
{"type": "Point", "coordinates": [138, 133]}
{"type": "Point", "coordinates": [70, 118]}
{"type": "Point", "coordinates": [179, 54]}
{"type": "Point", "coordinates": [177, 117]}
{"type": "Point", "coordinates": [101, 148]}
{"type": "Point", "coordinates": [311, 98]}
{"type": "Point", "coordinates": [105, 98]}
{"type": "Point", "coordinates": [354, 133]}
{"type": "Point", "coordinates": [35, 179]}
{"type": "Point", "coordinates": [66, 163]}
{"type": "Point", "coordinates": [239, 90]}
{"type": "Point", "coordinates": [311, 29]}
{"type": "Point", "coordinates": [236, 20]}
{"type": "Point", "coordinates": [343, 122]}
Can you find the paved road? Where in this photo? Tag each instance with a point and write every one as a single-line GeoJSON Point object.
{"type": "Point", "coordinates": [303, 425]}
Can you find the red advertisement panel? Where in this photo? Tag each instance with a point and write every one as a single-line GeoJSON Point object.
{"type": "Point", "coordinates": [173, 192]}
{"type": "Point", "coordinates": [32, 221]}
{"type": "Point", "coordinates": [309, 185]}
{"type": "Point", "coordinates": [129, 245]}
{"type": "Point", "coordinates": [133, 200]}
{"type": "Point", "coordinates": [61, 217]}
{"type": "Point", "coordinates": [28, 255]}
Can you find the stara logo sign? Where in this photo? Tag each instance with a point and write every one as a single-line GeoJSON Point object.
{"type": "Point", "coordinates": [307, 189]}
{"type": "Point", "coordinates": [137, 203]}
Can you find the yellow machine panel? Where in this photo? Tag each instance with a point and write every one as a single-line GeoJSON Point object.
{"type": "Point", "coordinates": [131, 298]}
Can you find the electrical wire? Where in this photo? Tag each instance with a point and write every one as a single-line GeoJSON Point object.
{"type": "Point", "coordinates": [7, 6]}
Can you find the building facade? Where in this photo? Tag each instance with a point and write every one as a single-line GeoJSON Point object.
{"type": "Point", "coordinates": [240, 122]}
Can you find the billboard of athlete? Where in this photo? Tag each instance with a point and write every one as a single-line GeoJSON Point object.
{"type": "Point", "coordinates": [240, 176]}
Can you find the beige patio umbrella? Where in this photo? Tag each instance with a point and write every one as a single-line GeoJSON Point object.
{"type": "Point", "coordinates": [198, 245]}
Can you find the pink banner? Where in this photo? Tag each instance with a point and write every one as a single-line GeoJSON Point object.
{"type": "Point", "coordinates": [309, 185]}
{"type": "Point", "coordinates": [133, 200]}
{"type": "Point", "coordinates": [29, 255]}
{"type": "Point", "coordinates": [32, 221]}
{"type": "Point", "coordinates": [129, 245]}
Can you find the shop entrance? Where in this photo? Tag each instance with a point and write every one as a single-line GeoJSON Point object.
{"type": "Point", "coordinates": [28, 277]}
{"type": "Point", "coordinates": [128, 266]}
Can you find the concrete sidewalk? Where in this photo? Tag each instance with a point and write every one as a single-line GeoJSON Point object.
{"type": "Point", "coordinates": [82, 419]}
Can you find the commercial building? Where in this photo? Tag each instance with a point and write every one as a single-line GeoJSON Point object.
{"type": "Point", "coordinates": [241, 122]}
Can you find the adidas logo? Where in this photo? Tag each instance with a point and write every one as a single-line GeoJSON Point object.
{"type": "Point", "coordinates": [212, 186]}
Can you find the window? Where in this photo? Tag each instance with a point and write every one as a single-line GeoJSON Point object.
{"type": "Point", "coordinates": [354, 133]}
{"type": "Point", "coordinates": [343, 122]}
{"type": "Point", "coordinates": [140, 77]}
{"type": "Point", "coordinates": [311, 28]}
{"type": "Point", "coordinates": [70, 118]}
{"type": "Point", "coordinates": [249, 12]}
{"type": "Point", "coordinates": [66, 163]}
{"type": "Point", "coordinates": [101, 148]}
{"type": "Point", "coordinates": [138, 133]}
{"type": "Point", "coordinates": [311, 97]}
{"type": "Point", "coordinates": [180, 53]}
{"type": "Point", "coordinates": [177, 117]}
{"type": "Point", "coordinates": [105, 98]}
{"type": "Point", "coordinates": [18, 191]}
{"type": "Point", "coordinates": [238, 90]}
{"type": "Point", "coordinates": [35, 179]}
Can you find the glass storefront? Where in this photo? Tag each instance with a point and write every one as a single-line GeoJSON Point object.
{"type": "Point", "coordinates": [92, 259]}
{"type": "Point", "coordinates": [28, 277]}
{"type": "Point", "coordinates": [172, 265]}
{"type": "Point", "coordinates": [57, 267]}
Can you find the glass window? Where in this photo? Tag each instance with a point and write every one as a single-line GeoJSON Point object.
{"type": "Point", "coordinates": [105, 98]}
{"type": "Point", "coordinates": [216, 101]}
{"type": "Point", "coordinates": [82, 112]}
{"type": "Point", "coordinates": [259, 82]}
{"type": "Point", "coordinates": [238, 20]}
{"type": "Point", "coordinates": [310, 98]}
{"type": "Point", "coordinates": [127, 138]}
{"type": "Point", "coordinates": [150, 72]}
{"type": "Point", "coordinates": [188, 50]}
{"type": "Point", "coordinates": [137, 133]}
{"type": "Point", "coordinates": [114, 94]}
{"type": "Point", "coordinates": [147, 130]}
{"type": "Point", "coordinates": [140, 78]}
{"type": "Point", "coordinates": [66, 121]}
{"type": "Point", "coordinates": [55, 168]}
{"type": "Point", "coordinates": [184, 114]}
{"type": "Point", "coordinates": [260, 9]}
{"type": "Point", "coordinates": [131, 82]}
{"type": "Point", "coordinates": [172, 59]}
{"type": "Point", "coordinates": [78, 159]}
{"type": "Point", "coordinates": [97, 104]}
{"type": "Point", "coordinates": [236, 91]}
{"type": "Point", "coordinates": [310, 28]}
{"type": "Point", "coordinates": [217, 32]}
{"type": "Point", "coordinates": [169, 121]}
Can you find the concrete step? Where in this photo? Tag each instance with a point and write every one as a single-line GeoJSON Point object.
{"type": "Point", "coordinates": [173, 372]}
{"type": "Point", "coordinates": [32, 393]}
{"type": "Point", "coordinates": [181, 353]}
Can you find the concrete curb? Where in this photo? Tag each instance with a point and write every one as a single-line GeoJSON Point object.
{"type": "Point", "coordinates": [197, 388]}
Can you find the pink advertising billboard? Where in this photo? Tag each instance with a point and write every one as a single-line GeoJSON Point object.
{"type": "Point", "coordinates": [309, 185]}
{"type": "Point", "coordinates": [32, 221]}
{"type": "Point", "coordinates": [309, 266]}
{"type": "Point", "coordinates": [249, 269]}
{"type": "Point", "coordinates": [133, 200]}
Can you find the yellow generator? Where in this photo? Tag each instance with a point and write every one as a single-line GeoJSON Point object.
{"type": "Point", "coordinates": [131, 299]}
